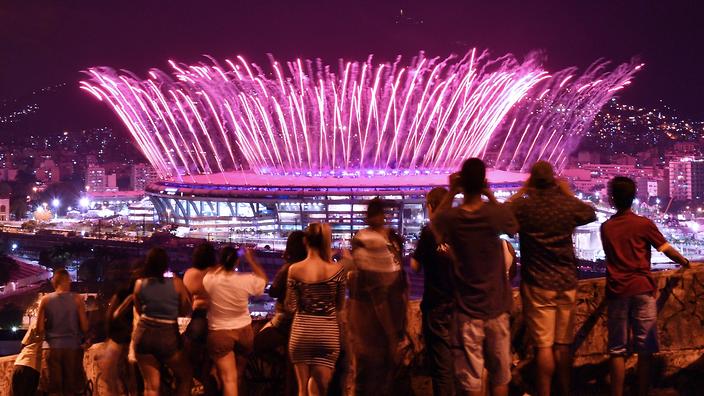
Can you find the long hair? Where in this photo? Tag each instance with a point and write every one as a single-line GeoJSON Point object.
{"type": "Point", "coordinates": [319, 238]}
{"type": "Point", "coordinates": [204, 256]}
{"type": "Point", "coordinates": [295, 247]}
{"type": "Point", "coordinates": [156, 263]}
{"type": "Point", "coordinates": [229, 257]}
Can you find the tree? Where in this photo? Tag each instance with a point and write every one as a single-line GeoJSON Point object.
{"type": "Point", "coordinates": [10, 315]}
{"type": "Point", "coordinates": [8, 266]}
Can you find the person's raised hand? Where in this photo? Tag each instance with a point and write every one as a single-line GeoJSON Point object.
{"type": "Point", "coordinates": [455, 182]}
{"type": "Point", "coordinates": [249, 254]}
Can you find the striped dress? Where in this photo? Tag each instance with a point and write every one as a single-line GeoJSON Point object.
{"type": "Point", "coordinates": [315, 332]}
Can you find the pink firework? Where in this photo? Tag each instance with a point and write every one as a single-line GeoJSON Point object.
{"type": "Point", "coordinates": [366, 118]}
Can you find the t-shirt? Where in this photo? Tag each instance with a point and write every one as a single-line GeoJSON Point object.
{"type": "Point", "coordinates": [229, 293]}
{"type": "Point", "coordinates": [31, 353]}
{"type": "Point", "coordinates": [627, 240]}
{"type": "Point", "coordinates": [547, 219]}
{"type": "Point", "coordinates": [482, 287]}
{"type": "Point", "coordinates": [437, 271]}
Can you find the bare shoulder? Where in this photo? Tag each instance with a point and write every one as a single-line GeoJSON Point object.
{"type": "Point", "coordinates": [336, 267]}
{"type": "Point", "coordinates": [137, 286]}
{"type": "Point", "coordinates": [294, 270]}
{"type": "Point", "coordinates": [190, 274]}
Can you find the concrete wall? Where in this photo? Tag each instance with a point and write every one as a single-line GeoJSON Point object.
{"type": "Point", "coordinates": [679, 367]}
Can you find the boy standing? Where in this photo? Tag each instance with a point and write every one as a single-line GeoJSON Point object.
{"type": "Point", "coordinates": [630, 288]}
{"type": "Point", "coordinates": [28, 364]}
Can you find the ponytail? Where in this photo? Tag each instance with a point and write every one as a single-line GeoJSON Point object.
{"type": "Point", "coordinates": [229, 257]}
{"type": "Point", "coordinates": [317, 237]}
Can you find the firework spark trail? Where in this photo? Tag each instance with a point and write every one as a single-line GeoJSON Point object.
{"type": "Point", "coordinates": [558, 111]}
{"type": "Point", "coordinates": [425, 116]}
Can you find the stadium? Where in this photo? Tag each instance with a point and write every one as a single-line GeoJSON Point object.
{"type": "Point", "coordinates": [267, 206]}
{"type": "Point", "coordinates": [248, 154]}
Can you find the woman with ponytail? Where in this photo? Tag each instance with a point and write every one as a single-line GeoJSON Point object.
{"type": "Point", "coordinates": [315, 295]}
{"type": "Point", "coordinates": [230, 335]}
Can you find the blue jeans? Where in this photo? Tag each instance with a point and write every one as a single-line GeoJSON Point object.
{"type": "Point", "coordinates": [632, 324]}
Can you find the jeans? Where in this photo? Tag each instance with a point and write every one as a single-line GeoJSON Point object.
{"type": "Point", "coordinates": [437, 324]}
{"type": "Point", "coordinates": [633, 320]}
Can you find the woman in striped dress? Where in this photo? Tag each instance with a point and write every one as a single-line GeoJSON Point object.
{"type": "Point", "coordinates": [315, 295]}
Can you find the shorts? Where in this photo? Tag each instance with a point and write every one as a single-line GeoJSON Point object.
{"type": "Point", "coordinates": [222, 342]}
{"type": "Point", "coordinates": [161, 340]}
{"type": "Point", "coordinates": [65, 373]}
{"type": "Point", "coordinates": [549, 315]}
{"type": "Point", "coordinates": [477, 341]}
{"type": "Point", "coordinates": [632, 324]}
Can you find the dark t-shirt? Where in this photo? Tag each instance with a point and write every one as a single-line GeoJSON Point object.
{"type": "Point", "coordinates": [482, 287]}
{"type": "Point", "coordinates": [627, 240]}
{"type": "Point", "coordinates": [547, 219]}
{"type": "Point", "coordinates": [437, 269]}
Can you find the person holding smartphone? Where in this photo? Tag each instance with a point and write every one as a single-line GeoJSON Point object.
{"type": "Point", "coordinates": [482, 291]}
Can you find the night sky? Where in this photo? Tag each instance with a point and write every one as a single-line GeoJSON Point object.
{"type": "Point", "coordinates": [45, 43]}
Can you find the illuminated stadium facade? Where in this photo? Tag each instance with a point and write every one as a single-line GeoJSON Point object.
{"type": "Point", "coordinates": [271, 206]}
{"type": "Point", "coordinates": [247, 152]}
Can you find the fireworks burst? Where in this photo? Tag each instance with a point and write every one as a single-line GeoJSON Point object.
{"type": "Point", "coordinates": [366, 118]}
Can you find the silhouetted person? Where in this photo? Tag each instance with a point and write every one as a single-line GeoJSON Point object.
{"type": "Point", "coordinates": [119, 321]}
{"type": "Point", "coordinates": [483, 293]}
{"type": "Point", "coordinates": [315, 296]}
{"type": "Point", "coordinates": [276, 333]}
{"type": "Point", "coordinates": [630, 288]}
{"type": "Point", "coordinates": [548, 213]}
{"type": "Point", "coordinates": [295, 252]}
{"type": "Point", "coordinates": [437, 306]}
{"type": "Point", "coordinates": [196, 334]}
{"type": "Point", "coordinates": [377, 306]}
{"type": "Point", "coordinates": [63, 321]}
{"type": "Point", "coordinates": [160, 301]}
{"type": "Point", "coordinates": [230, 335]}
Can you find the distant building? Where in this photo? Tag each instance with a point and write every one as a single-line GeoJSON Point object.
{"type": "Point", "coordinates": [687, 179]}
{"type": "Point", "coordinates": [8, 174]}
{"type": "Point", "coordinates": [111, 182]}
{"type": "Point", "coordinates": [97, 180]}
{"type": "Point", "coordinates": [48, 172]}
{"type": "Point", "coordinates": [4, 209]}
{"type": "Point", "coordinates": [141, 176]}
{"type": "Point", "coordinates": [658, 188]}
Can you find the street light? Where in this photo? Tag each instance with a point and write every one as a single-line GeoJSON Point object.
{"type": "Point", "coordinates": [55, 203]}
{"type": "Point", "coordinates": [84, 202]}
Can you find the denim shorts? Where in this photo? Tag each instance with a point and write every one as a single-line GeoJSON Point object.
{"type": "Point", "coordinates": [157, 339]}
{"type": "Point", "coordinates": [632, 324]}
{"type": "Point", "coordinates": [478, 341]}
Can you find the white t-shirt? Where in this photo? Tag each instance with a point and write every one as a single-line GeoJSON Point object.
{"type": "Point", "coordinates": [31, 353]}
{"type": "Point", "coordinates": [229, 293]}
